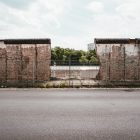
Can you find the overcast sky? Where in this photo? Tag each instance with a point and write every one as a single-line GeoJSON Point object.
{"type": "Point", "coordinates": [70, 23]}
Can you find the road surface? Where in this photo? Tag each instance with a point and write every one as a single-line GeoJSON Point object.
{"type": "Point", "coordinates": [69, 114]}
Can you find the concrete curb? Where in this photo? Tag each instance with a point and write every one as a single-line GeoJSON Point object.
{"type": "Point", "coordinates": [25, 89]}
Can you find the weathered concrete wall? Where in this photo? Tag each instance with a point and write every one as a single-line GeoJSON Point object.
{"type": "Point", "coordinates": [28, 62]}
{"type": "Point", "coordinates": [13, 58]}
{"type": "Point", "coordinates": [119, 62]}
{"type": "Point", "coordinates": [43, 53]}
{"type": "Point", "coordinates": [2, 62]}
{"type": "Point", "coordinates": [25, 62]}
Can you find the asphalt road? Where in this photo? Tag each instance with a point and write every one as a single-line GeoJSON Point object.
{"type": "Point", "coordinates": [70, 114]}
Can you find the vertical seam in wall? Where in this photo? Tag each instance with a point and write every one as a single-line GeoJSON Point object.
{"type": "Point", "coordinates": [138, 62]}
{"type": "Point", "coordinates": [124, 64]}
{"type": "Point", "coordinates": [5, 65]}
{"type": "Point", "coordinates": [109, 64]}
{"type": "Point", "coordinates": [36, 63]}
{"type": "Point", "coordinates": [21, 62]}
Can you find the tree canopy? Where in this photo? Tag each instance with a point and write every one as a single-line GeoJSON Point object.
{"type": "Point", "coordinates": [66, 56]}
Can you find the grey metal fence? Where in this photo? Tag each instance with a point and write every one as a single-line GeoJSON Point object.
{"type": "Point", "coordinates": [27, 71]}
{"type": "Point", "coordinates": [74, 74]}
{"type": "Point", "coordinates": [52, 73]}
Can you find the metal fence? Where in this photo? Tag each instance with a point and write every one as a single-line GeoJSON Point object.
{"type": "Point", "coordinates": [72, 74]}
{"type": "Point", "coordinates": [24, 71]}
{"type": "Point", "coordinates": [121, 67]}
{"type": "Point", "coordinates": [52, 73]}
{"type": "Point", "coordinates": [49, 72]}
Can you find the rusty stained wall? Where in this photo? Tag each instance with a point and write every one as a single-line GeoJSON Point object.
{"type": "Point", "coordinates": [2, 62]}
{"type": "Point", "coordinates": [24, 62]}
{"type": "Point", "coordinates": [119, 62]}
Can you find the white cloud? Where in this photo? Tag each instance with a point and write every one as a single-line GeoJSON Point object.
{"type": "Point", "coordinates": [18, 4]}
{"type": "Point", "coordinates": [67, 22]}
{"type": "Point", "coordinates": [130, 9]}
{"type": "Point", "coordinates": [120, 21]}
{"type": "Point", "coordinates": [41, 19]}
{"type": "Point", "coordinates": [96, 7]}
{"type": "Point", "coordinates": [42, 14]}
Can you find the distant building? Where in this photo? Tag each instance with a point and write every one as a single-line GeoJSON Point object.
{"type": "Point", "coordinates": [91, 46]}
{"type": "Point", "coordinates": [25, 60]}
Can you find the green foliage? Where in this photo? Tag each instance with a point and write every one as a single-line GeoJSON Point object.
{"type": "Point", "coordinates": [83, 60]}
{"type": "Point", "coordinates": [94, 60]}
{"type": "Point", "coordinates": [90, 54]}
{"type": "Point", "coordinates": [61, 56]}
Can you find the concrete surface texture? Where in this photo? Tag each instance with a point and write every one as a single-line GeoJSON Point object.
{"type": "Point", "coordinates": [70, 114]}
{"type": "Point", "coordinates": [25, 60]}
{"type": "Point", "coordinates": [120, 59]}
{"type": "Point", "coordinates": [77, 72]}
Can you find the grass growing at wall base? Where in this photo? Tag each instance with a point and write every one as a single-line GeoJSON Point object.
{"type": "Point", "coordinates": [64, 84]}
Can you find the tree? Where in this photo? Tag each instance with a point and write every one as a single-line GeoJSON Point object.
{"type": "Point", "coordinates": [83, 60]}
{"type": "Point", "coordinates": [91, 53]}
{"type": "Point", "coordinates": [62, 56]}
{"type": "Point", "coordinates": [94, 60]}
